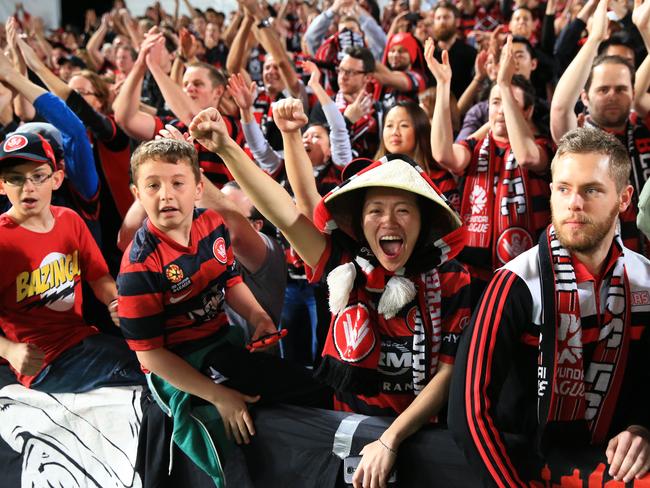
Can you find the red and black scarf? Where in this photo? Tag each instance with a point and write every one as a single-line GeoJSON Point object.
{"type": "Point", "coordinates": [569, 390]}
{"type": "Point", "coordinates": [496, 205]}
{"type": "Point", "coordinates": [363, 296]}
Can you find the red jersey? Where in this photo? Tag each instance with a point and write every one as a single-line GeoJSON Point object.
{"type": "Point", "coordinates": [171, 294]}
{"type": "Point", "coordinates": [40, 287]}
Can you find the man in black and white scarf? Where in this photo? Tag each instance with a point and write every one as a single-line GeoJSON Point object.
{"type": "Point", "coordinates": [558, 351]}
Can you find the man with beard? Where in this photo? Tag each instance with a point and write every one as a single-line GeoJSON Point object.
{"type": "Point", "coordinates": [556, 361]}
{"type": "Point", "coordinates": [607, 95]}
{"type": "Point", "coordinates": [446, 20]}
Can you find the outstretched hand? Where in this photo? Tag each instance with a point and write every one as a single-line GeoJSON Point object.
{"type": "Point", "coordinates": [209, 129]}
{"type": "Point", "coordinates": [599, 23]}
{"type": "Point", "coordinates": [242, 94]}
{"type": "Point", "coordinates": [506, 64]}
{"type": "Point", "coordinates": [441, 71]}
{"type": "Point", "coordinates": [289, 115]}
{"type": "Point", "coordinates": [31, 58]}
{"type": "Point", "coordinates": [641, 15]}
{"type": "Point", "coordinates": [314, 73]}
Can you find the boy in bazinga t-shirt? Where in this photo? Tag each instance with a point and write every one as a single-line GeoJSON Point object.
{"type": "Point", "coordinates": [46, 251]}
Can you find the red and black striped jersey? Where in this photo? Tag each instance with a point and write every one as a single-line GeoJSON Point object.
{"type": "Point", "coordinates": [417, 84]}
{"type": "Point", "coordinates": [495, 386]}
{"type": "Point", "coordinates": [212, 164]}
{"type": "Point", "coordinates": [169, 294]}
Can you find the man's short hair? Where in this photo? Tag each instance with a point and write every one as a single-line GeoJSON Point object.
{"type": "Point", "coordinates": [165, 150]}
{"type": "Point", "coordinates": [448, 6]}
{"type": "Point", "coordinates": [217, 76]}
{"type": "Point", "coordinates": [349, 18]}
{"type": "Point", "coordinates": [529, 46]}
{"type": "Point", "coordinates": [617, 39]}
{"type": "Point", "coordinates": [585, 140]}
{"type": "Point", "coordinates": [615, 59]}
{"type": "Point", "coordinates": [365, 55]}
{"type": "Point", "coordinates": [170, 42]}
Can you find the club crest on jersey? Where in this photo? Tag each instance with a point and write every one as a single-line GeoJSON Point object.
{"type": "Point", "coordinates": [411, 317]}
{"type": "Point", "coordinates": [219, 250]}
{"type": "Point", "coordinates": [14, 143]}
{"type": "Point", "coordinates": [174, 273]}
{"type": "Point", "coordinates": [354, 338]}
{"type": "Point", "coordinates": [512, 242]}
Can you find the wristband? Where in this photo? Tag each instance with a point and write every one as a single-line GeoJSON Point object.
{"type": "Point", "coordinates": [389, 448]}
{"type": "Point", "coordinates": [262, 24]}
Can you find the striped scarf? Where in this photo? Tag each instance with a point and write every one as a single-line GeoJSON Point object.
{"type": "Point", "coordinates": [567, 391]}
{"type": "Point", "coordinates": [496, 205]}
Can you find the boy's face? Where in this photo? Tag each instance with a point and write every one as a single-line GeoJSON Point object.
{"type": "Point", "coordinates": [29, 188]}
{"type": "Point", "coordinates": [168, 191]}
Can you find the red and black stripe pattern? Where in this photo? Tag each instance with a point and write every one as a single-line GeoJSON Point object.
{"type": "Point", "coordinates": [171, 294]}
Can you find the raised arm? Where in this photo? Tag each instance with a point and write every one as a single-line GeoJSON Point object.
{"type": "Point", "coordinates": [209, 129]}
{"type": "Point", "coordinates": [178, 101]}
{"type": "Point", "coordinates": [289, 116]}
{"type": "Point", "coordinates": [55, 84]}
{"type": "Point", "coordinates": [395, 79]}
{"type": "Point", "coordinates": [96, 41]}
{"type": "Point", "coordinates": [136, 123]}
{"type": "Point", "coordinates": [522, 140]}
{"type": "Point", "coordinates": [238, 53]}
{"type": "Point", "coordinates": [563, 118]}
{"type": "Point", "coordinates": [339, 135]}
{"type": "Point", "coordinates": [266, 158]}
{"type": "Point", "coordinates": [468, 98]}
{"type": "Point", "coordinates": [270, 41]}
{"type": "Point", "coordinates": [248, 246]}
{"type": "Point", "coordinates": [450, 156]}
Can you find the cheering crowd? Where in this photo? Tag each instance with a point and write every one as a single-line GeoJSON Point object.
{"type": "Point", "coordinates": [440, 203]}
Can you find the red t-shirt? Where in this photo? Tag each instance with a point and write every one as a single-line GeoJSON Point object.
{"type": "Point", "coordinates": [40, 286]}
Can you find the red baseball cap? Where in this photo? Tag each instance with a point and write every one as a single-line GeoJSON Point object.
{"type": "Point", "coordinates": [28, 147]}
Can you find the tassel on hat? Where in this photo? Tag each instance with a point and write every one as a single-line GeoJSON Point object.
{"type": "Point", "coordinates": [399, 291]}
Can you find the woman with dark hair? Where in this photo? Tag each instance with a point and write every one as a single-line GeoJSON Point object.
{"type": "Point", "coordinates": [407, 131]}
{"type": "Point", "coordinates": [89, 98]}
{"type": "Point", "coordinates": [397, 296]}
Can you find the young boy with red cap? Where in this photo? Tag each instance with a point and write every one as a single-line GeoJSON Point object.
{"type": "Point", "coordinates": [46, 250]}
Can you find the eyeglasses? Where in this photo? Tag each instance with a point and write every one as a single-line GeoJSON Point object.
{"type": "Point", "coordinates": [19, 180]}
{"type": "Point", "coordinates": [84, 93]}
{"type": "Point", "coordinates": [349, 72]}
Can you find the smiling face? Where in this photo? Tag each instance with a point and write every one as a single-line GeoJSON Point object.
{"type": "Point", "coordinates": [198, 86]}
{"type": "Point", "coordinates": [399, 133]}
{"type": "Point", "coordinates": [29, 200]}
{"type": "Point", "coordinates": [391, 225]}
{"type": "Point", "coordinates": [399, 58]}
{"type": "Point", "coordinates": [271, 76]}
{"type": "Point", "coordinates": [585, 202]}
{"type": "Point", "coordinates": [168, 192]}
